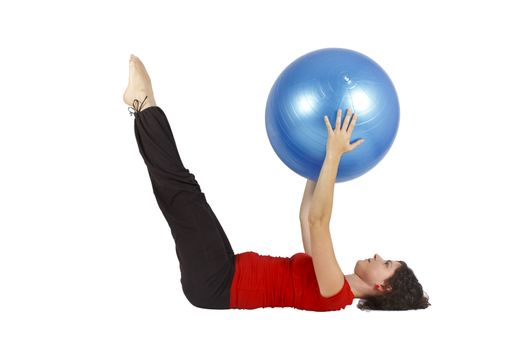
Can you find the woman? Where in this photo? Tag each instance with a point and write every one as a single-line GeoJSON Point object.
{"type": "Point", "coordinates": [213, 277]}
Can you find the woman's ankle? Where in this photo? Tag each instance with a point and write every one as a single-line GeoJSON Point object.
{"type": "Point", "coordinates": [149, 103]}
{"type": "Point", "coordinates": [144, 102]}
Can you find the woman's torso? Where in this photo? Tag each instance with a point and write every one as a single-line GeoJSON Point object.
{"type": "Point", "coordinates": [267, 281]}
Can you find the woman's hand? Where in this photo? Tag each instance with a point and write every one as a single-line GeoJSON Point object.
{"type": "Point", "coordinates": [338, 142]}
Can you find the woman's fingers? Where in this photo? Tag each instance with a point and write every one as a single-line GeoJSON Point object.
{"type": "Point", "coordinates": [352, 124]}
{"type": "Point", "coordinates": [348, 123]}
{"type": "Point", "coordinates": [327, 123]}
{"type": "Point", "coordinates": [338, 119]}
{"type": "Point", "coordinates": [347, 119]}
{"type": "Point", "coordinates": [357, 143]}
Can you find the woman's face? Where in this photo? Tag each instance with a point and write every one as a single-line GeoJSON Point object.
{"type": "Point", "coordinates": [375, 270]}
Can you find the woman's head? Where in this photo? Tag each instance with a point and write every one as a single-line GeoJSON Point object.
{"type": "Point", "coordinates": [393, 285]}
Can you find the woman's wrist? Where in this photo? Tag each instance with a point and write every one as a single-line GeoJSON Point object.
{"type": "Point", "coordinates": [333, 155]}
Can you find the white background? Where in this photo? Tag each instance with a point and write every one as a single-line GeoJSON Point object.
{"type": "Point", "coordinates": [87, 260]}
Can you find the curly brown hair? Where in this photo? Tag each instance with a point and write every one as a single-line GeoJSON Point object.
{"type": "Point", "coordinates": [406, 294]}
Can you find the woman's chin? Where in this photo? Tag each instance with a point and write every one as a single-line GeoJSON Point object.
{"type": "Point", "coordinates": [358, 266]}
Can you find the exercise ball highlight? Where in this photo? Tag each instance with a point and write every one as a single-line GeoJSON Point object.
{"type": "Point", "coordinates": [318, 84]}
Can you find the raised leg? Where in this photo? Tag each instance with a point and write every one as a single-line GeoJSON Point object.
{"type": "Point", "coordinates": [206, 259]}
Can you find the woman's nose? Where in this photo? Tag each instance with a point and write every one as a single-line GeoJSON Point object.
{"type": "Point", "coordinates": [377, 256]}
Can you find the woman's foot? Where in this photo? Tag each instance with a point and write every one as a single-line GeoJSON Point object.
{"type": "Point", "coordinates": [139, 84]}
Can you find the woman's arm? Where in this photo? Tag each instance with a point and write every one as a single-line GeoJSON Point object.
{"type": "Point", "coordinates": [329, 276]}
{"type": "Point", "coordinates": [323, 197]}
{"type": "Point", "coordinates": [303, 215]}
{"type": "Point", "coordinates": [307, 198]}
{"type": "Point", "coordinates": [337, 144]}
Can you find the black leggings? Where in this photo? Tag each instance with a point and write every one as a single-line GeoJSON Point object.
{"type": "Point", "coordinates": [206, 258]}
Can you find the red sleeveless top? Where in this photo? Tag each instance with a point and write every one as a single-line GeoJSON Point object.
{"type": "Point", "coordinates": [267, 281]}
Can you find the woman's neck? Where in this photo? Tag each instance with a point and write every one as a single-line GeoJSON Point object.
{"type": "Point", "coordinates": [359, 288]}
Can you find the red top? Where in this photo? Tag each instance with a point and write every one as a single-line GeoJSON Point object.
{"type": "Point", "coordinates": [268, 281]}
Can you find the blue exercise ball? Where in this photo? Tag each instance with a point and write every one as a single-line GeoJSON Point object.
{"type": "Point", "coordinates": [318, 84]}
